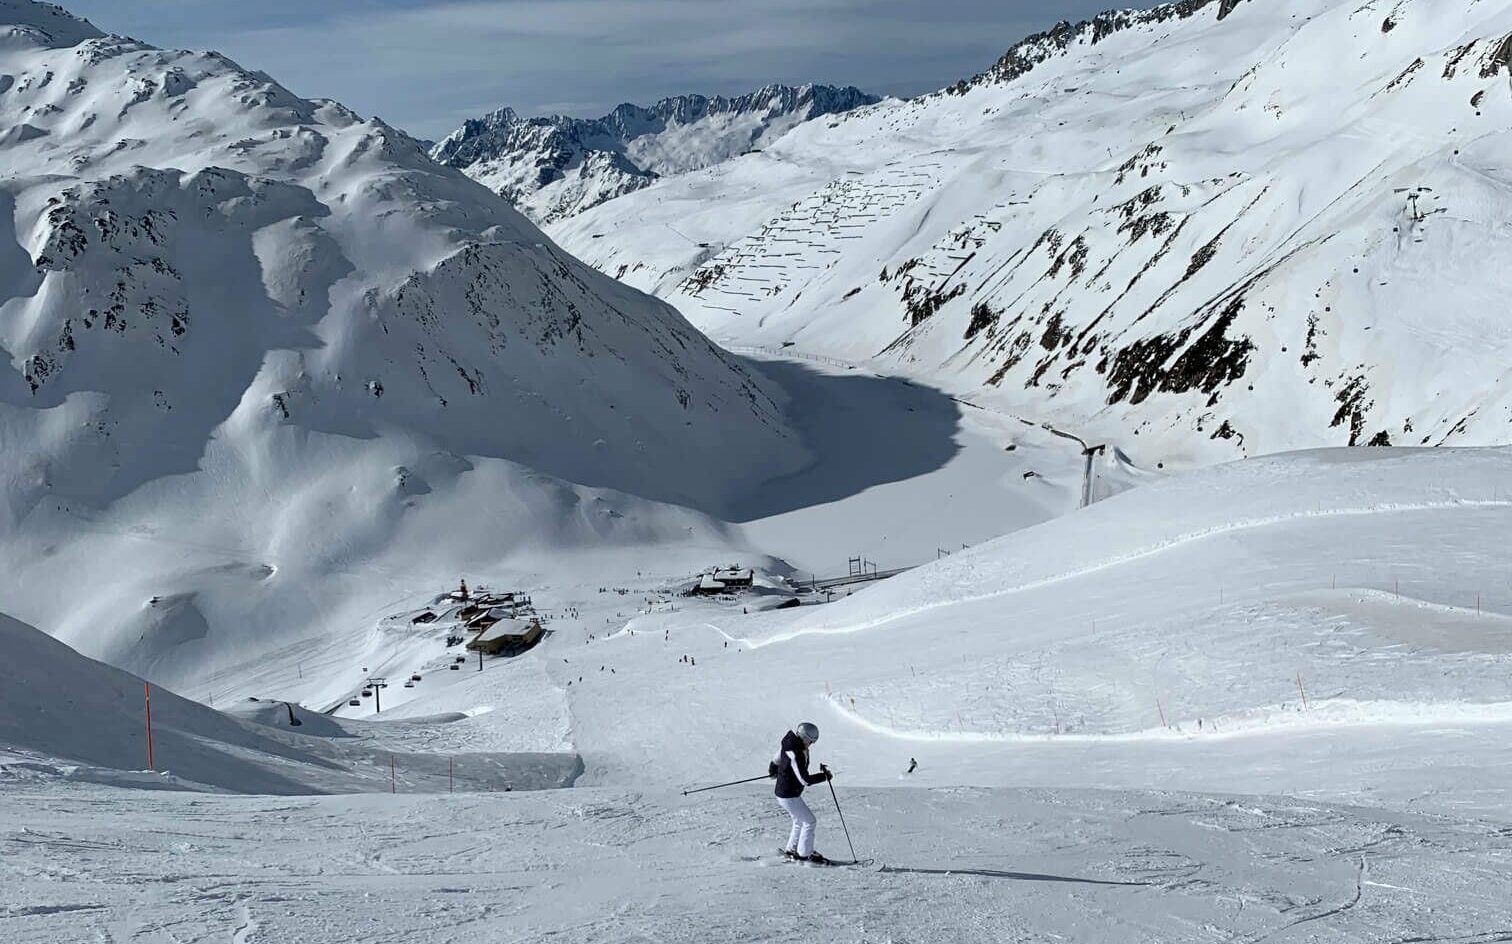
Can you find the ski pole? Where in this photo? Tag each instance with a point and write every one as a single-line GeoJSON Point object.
{"type": "Point", "coordinates": [720, 786]}
{"type": "Point", "coordinates": [848, 842]}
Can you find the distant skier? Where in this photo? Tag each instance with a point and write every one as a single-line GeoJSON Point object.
{"type": "Point", "coordinates": [912, 765]}
{"type": "Point", "coordinates": [790, 767]}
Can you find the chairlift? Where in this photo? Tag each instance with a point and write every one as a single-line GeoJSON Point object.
{"type": "Point", "coordinates": [367, 693]}
{"type": "Point", "coordinates": [409, 684]}
{"type": "Point", "coordinates": [415, 677]}
{"type": "Point", "coordinates": [355, 703]}
{"type": "Point", "coordinates": [455, 667]}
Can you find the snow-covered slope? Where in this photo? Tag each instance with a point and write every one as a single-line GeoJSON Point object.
{"type": "Point", "coordinates": [554, 167]}
{"type": "Point", "coordinates": [257, 348]}
{"type": "Point", "coordinates": [63, 714]}
{"type": "Point", "coordinates": [1107, 713]}
{"type": "Point", "coordinates": [1206, 230]}
{"type": "Point", "coordinates": [1271, 625]}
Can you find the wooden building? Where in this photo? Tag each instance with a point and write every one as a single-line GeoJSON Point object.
{"type": "Point", "coordinates": [505, 636]}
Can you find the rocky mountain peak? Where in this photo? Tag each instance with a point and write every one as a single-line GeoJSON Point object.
{"type": "Point", "coordinates": [555, 166]}
{"type": "Point", "coordinates": [26, 23]}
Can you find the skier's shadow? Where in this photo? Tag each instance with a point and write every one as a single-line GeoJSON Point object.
{"type": "Point", "coordinates": [1014, 876]}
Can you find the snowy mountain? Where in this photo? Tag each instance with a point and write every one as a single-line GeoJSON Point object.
{"type": "Point", "coordinates": [253, 343]}
{"type": "Point", "coordinates": [1208, 230]}
{"type": "Point", "coordinates": [274, 381]}
{"type": "Point", "coordinates": [554, 167]}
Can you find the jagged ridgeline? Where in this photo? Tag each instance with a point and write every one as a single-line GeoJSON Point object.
{"type": "Point", "coordinates": [554, 167]}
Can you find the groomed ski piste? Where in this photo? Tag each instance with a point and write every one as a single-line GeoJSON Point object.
{"type": "Point", "coordinates": [1106, 710]}
{"type": "Point", "coordinates": [1268, 701]}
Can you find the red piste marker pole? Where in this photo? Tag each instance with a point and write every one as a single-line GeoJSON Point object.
{"type": "Point", "coordinates": [151, 764]}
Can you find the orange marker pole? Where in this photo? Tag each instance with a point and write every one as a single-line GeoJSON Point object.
{"type": "Point", "coordinates": [151, 760]}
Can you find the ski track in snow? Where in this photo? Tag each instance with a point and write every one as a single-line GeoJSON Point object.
{"type": "Point", "coordinates": [1322, 638]}
{"type": "Point", "coordinates": [1002, 865]}
{"type": "Point", "coordinates": [1129, 557]}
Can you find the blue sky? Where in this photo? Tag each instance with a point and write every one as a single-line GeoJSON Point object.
{"type": "Point", "coordinates": [425, 66]}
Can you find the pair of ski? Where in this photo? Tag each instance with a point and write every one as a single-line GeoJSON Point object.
{"type": "Point", "coordinates": [784, 857]}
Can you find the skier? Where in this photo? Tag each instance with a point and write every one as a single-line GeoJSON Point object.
{"type": "Point", "coordinates": [790, 768]}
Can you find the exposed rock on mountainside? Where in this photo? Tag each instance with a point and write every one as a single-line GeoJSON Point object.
{"type": "Point", "coordinates": [236, 319]}
{"type": "Point", "coordinates": [1207, 229]}
{"type": "Point", "coordinates": [554, 167]}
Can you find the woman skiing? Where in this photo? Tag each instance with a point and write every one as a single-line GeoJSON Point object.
{"type": "Point", "coordinates": [790, 767]}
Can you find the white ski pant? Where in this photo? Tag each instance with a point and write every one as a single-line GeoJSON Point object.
{"type": "Point", "coordinates": [801, 840]}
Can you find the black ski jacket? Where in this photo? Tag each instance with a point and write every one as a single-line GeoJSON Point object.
{"type": "Point", "coordinates": [790, 767]}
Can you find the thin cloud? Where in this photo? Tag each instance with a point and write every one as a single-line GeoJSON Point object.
{"type": "Point", "coordinates": [426, 66]}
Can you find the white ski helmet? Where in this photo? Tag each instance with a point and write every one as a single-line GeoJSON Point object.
{"type": "Point", "coordinates": [809, 732]}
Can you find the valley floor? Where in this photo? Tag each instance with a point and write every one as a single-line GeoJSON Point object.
{"type": "Point", "coordinates": [1107, 715]}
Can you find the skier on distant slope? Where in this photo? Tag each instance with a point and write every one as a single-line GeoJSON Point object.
{"type": "Point", "coordinates": [790, 767]}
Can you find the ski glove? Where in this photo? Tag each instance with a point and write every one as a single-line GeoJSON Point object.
{"type": "Point", "coordinates": [772, 770]}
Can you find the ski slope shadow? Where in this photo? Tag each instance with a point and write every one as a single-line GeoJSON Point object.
{"type": "Point", "coordinates": [1013, 876]}
{"type": "Point", "coordinates": [861, 431]}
